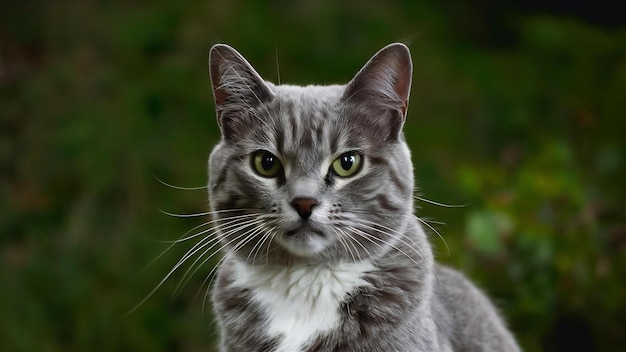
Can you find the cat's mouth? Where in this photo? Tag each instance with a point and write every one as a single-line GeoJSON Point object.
{"type": "Point", "coordinates": [305, 240]}
{"type": "Point", "coordinates": [304, 232]}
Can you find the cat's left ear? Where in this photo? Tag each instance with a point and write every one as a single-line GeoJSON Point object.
{"type": "Point", "coordinates": [237, 87]}
{"type": "Point", "coordinates": [384, 84]}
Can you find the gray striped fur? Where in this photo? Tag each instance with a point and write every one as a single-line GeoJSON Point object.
{"type": "Point", "coordinates": [404, 302]}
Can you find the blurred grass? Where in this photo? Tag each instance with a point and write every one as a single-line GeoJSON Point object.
{"type": "Point", "coordinates": [519, 116]}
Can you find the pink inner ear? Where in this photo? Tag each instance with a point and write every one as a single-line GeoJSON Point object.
{"type": "Point", "coordinates": [403, 87]}
{"type": "Point", "coordinates": [220, 55]}
{"type": "Point", "coordinates": [219, 95]}
{"type": "Point", "coordinates": [230, 72]}
{"type": "Point", "coordinates": [385, 80]}
{"type": "Point", "coordinates": [236, 87]}
{"type": "Point", "coordinates": [403, 84]}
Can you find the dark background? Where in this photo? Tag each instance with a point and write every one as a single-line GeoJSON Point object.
{"type": "Point", "coordinates": [516, 111]}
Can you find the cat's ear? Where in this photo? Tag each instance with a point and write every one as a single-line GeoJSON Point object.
{"type": "Point", "coordinates": [383, 85]}
{"type": "Point", "coordinates": [237, 87]}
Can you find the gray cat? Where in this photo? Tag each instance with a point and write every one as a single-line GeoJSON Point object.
{"type": "Point", "coordinates": [311, 190]}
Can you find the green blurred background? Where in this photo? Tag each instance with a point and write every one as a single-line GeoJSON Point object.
{"type": "Point", "coordinates": [516, 111]}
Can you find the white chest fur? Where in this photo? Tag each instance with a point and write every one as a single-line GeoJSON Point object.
{"type": "Point", "coordinates": [301, 302]}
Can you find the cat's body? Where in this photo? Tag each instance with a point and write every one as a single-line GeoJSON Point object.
{"type": "Point", "coordinates": [312, 191]}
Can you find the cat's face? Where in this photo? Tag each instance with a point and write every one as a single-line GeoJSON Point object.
{"type": "Point", "coordinates": [316, 173]}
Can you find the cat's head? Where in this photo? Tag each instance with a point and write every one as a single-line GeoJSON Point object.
{"type": "Point", "coordinates": [314, 173]}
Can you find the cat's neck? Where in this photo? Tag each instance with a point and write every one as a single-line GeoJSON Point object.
{"type": "Point", "coordinates": [301, 300]}
{"type": "Point", "coordinates": [307, 274]}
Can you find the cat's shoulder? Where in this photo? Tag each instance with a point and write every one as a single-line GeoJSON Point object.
{"type": "Point", "coordinates": [451, 285]}
{"type": "Point", "coordinates": [459, 306]}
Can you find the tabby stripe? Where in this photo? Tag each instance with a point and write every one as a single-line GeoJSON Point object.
{"type": "Point", "coordinates": [387, 204]}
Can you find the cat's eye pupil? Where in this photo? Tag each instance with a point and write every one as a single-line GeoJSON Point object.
{"type": "Point", "coordinates": [347, 161]}
{"type": "Point", "coordinates": [268, 161]}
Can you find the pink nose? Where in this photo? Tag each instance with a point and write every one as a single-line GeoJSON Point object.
{"type": "Point", "coordinates": [304, 206]}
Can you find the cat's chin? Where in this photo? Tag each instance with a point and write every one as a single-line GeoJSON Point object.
{"type": "Point", "coordinates": [304, 242]}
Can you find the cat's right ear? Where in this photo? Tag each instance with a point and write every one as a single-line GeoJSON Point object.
{"type": "Point", "coordinates": [237, 87]}
{"type": "Point", "coordinates": [383, 86]}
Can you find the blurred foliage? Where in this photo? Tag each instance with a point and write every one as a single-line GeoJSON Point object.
{"type": "Point", "coordinates": [517, 115]}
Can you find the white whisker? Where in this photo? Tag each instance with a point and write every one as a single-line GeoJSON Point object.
{"type": "Point", "coordinates": [257, 247]}
{"type": "Point", "coordinates": [231, 252]}
{"type": "Point", "coordinates": [439, 204]}
{"type": "Point", "coordinates": [227, 223]}
{"type": "Point", "coordinates": [426, 223]}
{"type": "Point", "coordinates": [200, 214]}
{"type": "Point", "coordinates": [179, 187]}
{"type": "Point", "coordinates": [201, 259]}
{"type": "Point", "coordinates": [369, 237]}
{"type": "Point", "coordinates": [435, 231]}
{"type": "Point", "coordinates": [277, 67]}
{"type": "Point", "coordinates": [340, 234]}
{"type": "Point", "coordinates": [183, 238]}
{"type": "Point", "coordinates": [273, 232]}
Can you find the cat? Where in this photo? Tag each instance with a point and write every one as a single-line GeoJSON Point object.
{"type": "Point", "coordinates": [311, 191]}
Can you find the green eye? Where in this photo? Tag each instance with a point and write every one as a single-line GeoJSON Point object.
{"type": "Point", "coordinates": [347, 164]}
{"type": "Point", "coordinates": [266, 164]}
